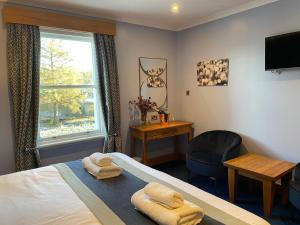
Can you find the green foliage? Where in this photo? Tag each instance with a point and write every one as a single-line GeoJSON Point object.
{"type": "Point", "coordinates": [56, 69]}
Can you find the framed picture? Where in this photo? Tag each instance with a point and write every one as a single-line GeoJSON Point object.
{"type": "Point", "coordinates": [153, 80]}
{"type": "Point", "coordinates": [213, 72]}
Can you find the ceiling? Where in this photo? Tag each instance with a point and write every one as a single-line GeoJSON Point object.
{"type": "Point", "coordinates": [152, 13]}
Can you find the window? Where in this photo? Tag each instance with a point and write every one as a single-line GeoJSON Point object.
{"type": "Point", "coordinates": [69, 98]}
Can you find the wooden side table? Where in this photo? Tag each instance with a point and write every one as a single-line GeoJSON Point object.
{"type": "Point", "coordinates": [155, 131]}
{"type": "Point", "coordinates": [264, 169]}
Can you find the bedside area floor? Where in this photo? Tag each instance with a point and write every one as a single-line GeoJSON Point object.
{"type": "Point", "coordinates": [251, 201]}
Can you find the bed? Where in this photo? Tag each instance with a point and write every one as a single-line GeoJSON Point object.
{"type": "Point", "coordinates": [65, 194]}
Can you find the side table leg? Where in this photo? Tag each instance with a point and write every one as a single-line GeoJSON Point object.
{"type": "Point", "coordinates": [190, 135]}
{"type": "Point", "coordinates": [268, 195]}
{"type": "Point", "coordinates": [232, 184]}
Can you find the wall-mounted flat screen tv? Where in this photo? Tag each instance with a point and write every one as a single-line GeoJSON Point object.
{"type": "Point", "coordinates": [282, 51]}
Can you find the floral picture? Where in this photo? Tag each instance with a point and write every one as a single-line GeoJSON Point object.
{"type": "Point", "coordinates": [213, 72]}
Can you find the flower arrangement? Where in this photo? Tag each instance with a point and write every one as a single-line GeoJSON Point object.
{"type": "Point", "coordinates": [145, 105]}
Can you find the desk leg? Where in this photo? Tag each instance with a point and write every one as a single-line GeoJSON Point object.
{"type": "Point", "coordinates": [145, 150]}
{"type": "Point", "coordinates": [190, 135]}
{"type": "Point", "coordinates": [176, 147]}
{"type": "Point", "coordinates": [132, 147]}
{"type": "Point", "coordinates": [268, 195]}
{"type": "Point", "coordinates": [232, 184]}
{"type": "Point", "coordinates": [285, 181]}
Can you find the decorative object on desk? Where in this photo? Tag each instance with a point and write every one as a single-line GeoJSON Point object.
{"type": "Point", "coordinates": [131, 113]}
{"type": "Point", "coordinates": [163, 117]}
{"type": "Point", "coordinates": [153, 80]}
{"type": "Point", "coordinates": [144, 105]}
{"type": "Point", "coordinates": [134, 114]}
{"type": "Point", "coordinates": [213, 72]}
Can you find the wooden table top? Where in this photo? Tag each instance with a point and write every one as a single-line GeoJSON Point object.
{"type": "Point", "coordinates": [157, 126]}
{"type": "Point", "coordinates": [260, 166]}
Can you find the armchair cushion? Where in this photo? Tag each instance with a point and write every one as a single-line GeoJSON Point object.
{"type": "Point", "coordinates": [209, 150]}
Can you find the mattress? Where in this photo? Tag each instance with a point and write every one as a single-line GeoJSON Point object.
{"type": "Point", "coordinates": [67, 194]}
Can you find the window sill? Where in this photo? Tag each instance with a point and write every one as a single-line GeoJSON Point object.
{"type": "Point", "coordinates": [70, 140]}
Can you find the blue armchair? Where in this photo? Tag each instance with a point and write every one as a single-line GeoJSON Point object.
{"type": "Point", "coordinates": [294, 190]}
{"type": "Point", "coordinates": [209, 150]}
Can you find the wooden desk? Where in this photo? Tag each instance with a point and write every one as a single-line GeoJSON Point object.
{"type": "Point", "coordinates": [264, 169]}
{"type": "Point", "coordinates": [155, 131]}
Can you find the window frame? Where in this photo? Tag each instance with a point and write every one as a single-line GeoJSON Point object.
{"type": "Point", "coordinates": [99, 122]}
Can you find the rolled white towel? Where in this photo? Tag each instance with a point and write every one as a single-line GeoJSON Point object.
{"type": "Point", "coordinates": [101, 172]}
{"type": "Point", "coordinates": [188, 214]}
{"type": "Point", "coordinates": [101, 159]}
{"type": "Point", "coordinates": [164, 195]}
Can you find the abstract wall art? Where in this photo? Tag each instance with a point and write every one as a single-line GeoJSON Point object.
{"type": "Point", "coordinates": [153, 80]}
{"type": "Point", "coordinates": [213, 72]}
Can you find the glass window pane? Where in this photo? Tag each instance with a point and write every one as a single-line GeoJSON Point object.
{"type": "Point", "coordinates": [68, 88]}
{"type": "Point", "coordinates": [66, 61]}
{"type": "Point", "coordinates": [66, 111]}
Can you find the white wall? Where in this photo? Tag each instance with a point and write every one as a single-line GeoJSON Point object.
{"type": "Point", "coordinates": [6, 143]}
{"type": "Point", "coordinates": [133, 42]}
{"type": "Point", "coordinates": [261, 106]}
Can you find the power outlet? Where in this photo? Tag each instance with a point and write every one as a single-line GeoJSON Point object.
{"type": "Point", "coordinates": [154, 117]}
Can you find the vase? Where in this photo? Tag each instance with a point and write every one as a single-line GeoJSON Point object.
{"type": "Point", "coordinates": [144, 117]}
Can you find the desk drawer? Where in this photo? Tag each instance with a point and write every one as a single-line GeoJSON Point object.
{"type": "Point", "coordinates": [168, 132]}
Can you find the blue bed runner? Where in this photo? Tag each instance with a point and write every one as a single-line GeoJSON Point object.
{"type": "Point", "coordinates": [116, 194]}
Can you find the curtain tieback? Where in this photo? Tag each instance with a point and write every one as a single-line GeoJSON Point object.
{"type": "Point", "coordinates": [113, 135]}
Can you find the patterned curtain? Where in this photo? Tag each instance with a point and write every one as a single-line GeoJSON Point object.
{"type": "Point", "coordinates": [109, 90]}
{"type": "Point", "coordinates": [23, 49]}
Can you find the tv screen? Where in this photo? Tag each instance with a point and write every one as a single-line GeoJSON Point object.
{"type": "Point", "coordinates": [282, 51]}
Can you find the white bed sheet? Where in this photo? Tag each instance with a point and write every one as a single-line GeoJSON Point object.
{"type": "Point", "coordinates": [41, 197]}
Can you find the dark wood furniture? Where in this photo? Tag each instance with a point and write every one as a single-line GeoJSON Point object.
{"type": "Point", "coordinates": [264, 169]}
{"type": "Point", "coordinates": [147, 133]}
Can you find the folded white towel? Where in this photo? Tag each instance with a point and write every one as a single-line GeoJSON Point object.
{"type": "Point", "coordinates": [188, 214]}
{"type": "Point", "coordinates": [101, 172]}
{"type": "Point", "coordinates": [164, 195]}
{"type": "Point", "coordinates": [101, 159]}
